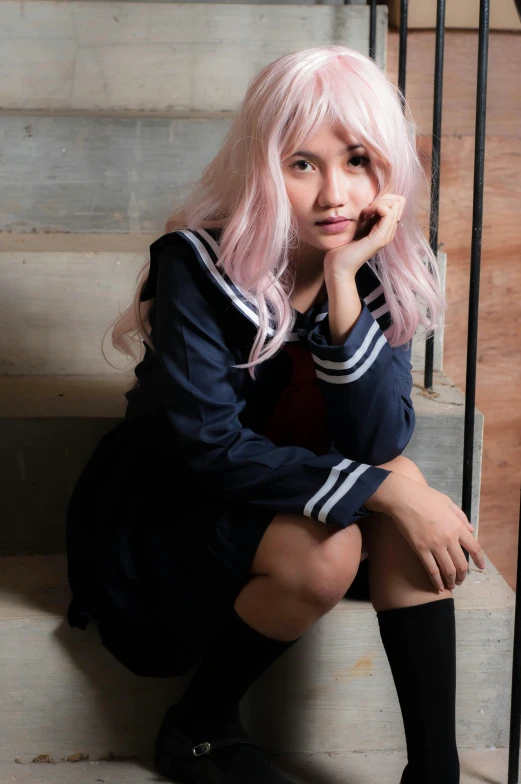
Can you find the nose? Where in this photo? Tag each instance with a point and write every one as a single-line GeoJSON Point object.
{"type": "Point", "coordinates": [333, 190]}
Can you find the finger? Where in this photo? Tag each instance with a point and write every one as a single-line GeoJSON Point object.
{"type": "Point", "coordinates": [382, 232]}
{"type": "Point", "coordinates": [381, 225]}
{"type": "Point", "coordinates": [462, 517]}
{"type": "Point", "coordinates": [459, 561]}
{"type": "Point", "coordinates": [474, 548]}
{"type": "Point", "coordinates": [397, 210]}
{"type": "Point", "coordinates": [447, 568]}
{"type": "Point", "coordinates": [394, 225]}
{"type": "Point", "coordinates": [432, 569]}
{"type": "Point", "coordinates": [376, 208]}
{"type": "Point", "coordinates": [390, 198]}
{"type": "Point", "coordinates": [394, 206]}
{"type": "Point", "coordinates": [461, 514]}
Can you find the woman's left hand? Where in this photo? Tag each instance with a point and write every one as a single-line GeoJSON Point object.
{"type": "Point", "coordinates": [376, 228]}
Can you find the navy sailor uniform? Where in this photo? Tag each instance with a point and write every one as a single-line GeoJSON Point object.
{"type": "Point", "coordinates": [165, 520]}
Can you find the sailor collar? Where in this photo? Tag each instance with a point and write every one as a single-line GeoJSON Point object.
{"type": "Point", "coordinates": [206, 247]}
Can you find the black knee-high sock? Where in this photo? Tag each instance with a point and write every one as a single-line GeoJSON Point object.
{"type": "Point", "coordinates": [235, 657]}
{"type": "Point", "coordinates": [420, 643]}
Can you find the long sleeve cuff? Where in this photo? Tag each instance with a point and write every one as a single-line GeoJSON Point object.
{"type": "Point", "coordinates": [350, 361]}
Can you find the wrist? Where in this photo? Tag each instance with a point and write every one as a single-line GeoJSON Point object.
{"type": "Point", "coordinates": [336, 270]}
{"type": "Point", "coordinates": [389, 496]}
{"type": "Point", "coordinates": [345, 306]}
{"type": "Point", "coordinates": [338, 276]}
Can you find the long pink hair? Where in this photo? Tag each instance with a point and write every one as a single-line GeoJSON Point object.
{"type": "Point", "coordinates": [242, 191]}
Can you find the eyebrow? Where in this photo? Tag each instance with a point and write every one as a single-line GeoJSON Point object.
{"type": "Point", "coordinates": [342, 152]}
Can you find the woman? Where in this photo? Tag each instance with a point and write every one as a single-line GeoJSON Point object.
{"type": "Point", "coordinates": [260, 458]}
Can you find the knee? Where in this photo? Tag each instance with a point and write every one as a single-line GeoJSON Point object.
{"type": "Point", "coordinates": [334, 566]}
{"type": "Point", "coordinates": [407, 467]}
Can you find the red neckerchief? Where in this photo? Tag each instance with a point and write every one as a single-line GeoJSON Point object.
{"type": "Point", "coordinates": [300, 415]}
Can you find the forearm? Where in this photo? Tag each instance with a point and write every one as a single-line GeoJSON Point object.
{"type": "Point", "coordinates": [344, 307]}
{"type": "Point", "coordinates": [366, 383]}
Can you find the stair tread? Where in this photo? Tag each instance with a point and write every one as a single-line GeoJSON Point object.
{"type": "Point", "coordinates": [65, 396]}
{"type": "Point", "coordinates": [103, 395]}
{"type": "Point", "coordinates": [35, 586]}
{"type": "Point", "coordinates": [478, 765]}
{"type": "Point", "coordinates": [78, 242]}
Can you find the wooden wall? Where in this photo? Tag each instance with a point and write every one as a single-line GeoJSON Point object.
{"type": "Point", "coordinates": [499, 341]}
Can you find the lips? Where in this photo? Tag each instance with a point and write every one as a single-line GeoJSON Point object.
{"type": "Point", "coordinates": [331, 220]}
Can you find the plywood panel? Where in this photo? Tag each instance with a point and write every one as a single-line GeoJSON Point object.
{"type": "Point", "coordinates": [499, 354]}
{"type": "Point", "coordinates": [459, 83]}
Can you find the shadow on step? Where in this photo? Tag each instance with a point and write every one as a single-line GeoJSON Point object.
{"type": "Point", "coordinates": [121, 712]}
{"type": "Point", "coordinates": [106, 710]}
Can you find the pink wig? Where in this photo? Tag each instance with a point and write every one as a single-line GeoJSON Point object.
{"type": "Point", "coordinates": [242, 191]}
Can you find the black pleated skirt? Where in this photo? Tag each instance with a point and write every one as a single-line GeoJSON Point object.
{"type": "Point", "coordinates": [155, 573]}
{"type": "Point", "coordinates": [155, 560]}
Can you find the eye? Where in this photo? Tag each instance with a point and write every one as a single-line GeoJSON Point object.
{"type": "Point", "coordinates": [294, 165]}
{"type": "Point", "coordinates": [363, 158]}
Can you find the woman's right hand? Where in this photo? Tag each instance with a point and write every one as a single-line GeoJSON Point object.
{"type": "Point", "coordinates": [435, 527]}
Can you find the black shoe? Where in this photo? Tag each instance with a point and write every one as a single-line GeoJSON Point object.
{"type": "Point", "coordinates": [188, 759]}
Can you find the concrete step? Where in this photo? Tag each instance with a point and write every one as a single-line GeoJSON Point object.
{"type": "Point", "coordinates": [478, 766]}
{"type": "Point", "coordinates": [51, 425]}
{"type": "Point", "coordinates": [57, 304]}
{"type": "Point", "coordinates": [62, 693]}
{"type": "Point", "coordinates": [108, 57]}
{"type": "Point", "coordinates": [113, 104]}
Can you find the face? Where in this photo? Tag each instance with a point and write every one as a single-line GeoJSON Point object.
{"type": "Point", "coordinates": [327, 180]}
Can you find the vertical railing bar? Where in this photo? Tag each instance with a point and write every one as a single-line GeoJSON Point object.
{"type": "Point", "coordinates": [475, 258]}
{"type": "Point", "coordinates": [435, 169]}
{"type": "Point", "coordinates": [402, 56]}
{"type": "Point", "coordinates": [515, 698]}
{"type": "Point", "coordinates": [372, 29]}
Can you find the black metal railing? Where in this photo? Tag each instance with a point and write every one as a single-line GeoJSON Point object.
{"type": "Point", "coordinates": [372, 29]}
{"type": "Point", "coordinates": [515, 699]}
{"type": "Point", "coordinates": [435, 167]}
{"type": "Point", "coordinates": [477, 216]}
{"type": "Point", "coordinates": [475, 255]}
{"type": "Point", "coordinates": [473, 312]}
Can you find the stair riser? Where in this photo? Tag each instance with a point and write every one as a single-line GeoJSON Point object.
{"type": "Point", "coordinates": [41, 460]}
{"type": "Point", "coordinates": [336, 691]}
{"type": "Point", "coordinates": [333, 691]}
{"type": "Point", "coordinates": [56, 308]}
{"type": "Point", "coordinates": [136, 56]}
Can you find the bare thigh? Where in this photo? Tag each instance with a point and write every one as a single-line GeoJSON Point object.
{"type": "Point", "coordinates": [294, 547]}
{"type": "Point", "coordinates": [309, 558]}
{"type": "Point", "coordinates": [291, 540]}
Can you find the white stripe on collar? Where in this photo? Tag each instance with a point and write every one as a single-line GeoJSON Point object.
{"type": "Point", "coordinates": [238, 297]}
{"type": "Point", "coordinates": [242, 300]}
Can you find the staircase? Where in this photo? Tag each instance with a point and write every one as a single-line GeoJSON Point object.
{"type": "Point", "coordinates": [100, 126]}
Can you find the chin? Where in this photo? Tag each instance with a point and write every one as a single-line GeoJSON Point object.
{"type": "Point", "coordinates": [336, 240]}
